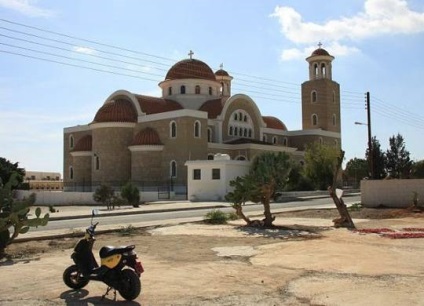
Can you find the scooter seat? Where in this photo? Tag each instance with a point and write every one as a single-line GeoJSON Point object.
{"type": "Point", "coordinates": [107, 251]}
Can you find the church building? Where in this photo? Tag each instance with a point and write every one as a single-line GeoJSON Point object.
{"type": "Point", "coordinates": [148, 140]}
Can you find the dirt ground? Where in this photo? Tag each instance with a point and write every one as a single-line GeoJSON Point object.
{"type": "Point", "coordinates": [305, 261]}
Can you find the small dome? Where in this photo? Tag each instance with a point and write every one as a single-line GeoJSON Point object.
{"type": "Point", "coordinates": [190, 69]}
{"type": "Point", "coordinates": [147, 136]}
{"type": "Point", "coordinates": [84, 144]}
{"type": "Point", "coordinates": [274, 123]}
{"type": "Point", "coordinates": [116, 111]}
{"type": "Point", "coordinates": [320, 51]}
{"type": "Point", "coordinates": [221, 72]}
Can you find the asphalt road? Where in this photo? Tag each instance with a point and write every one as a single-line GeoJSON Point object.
{"type": "Point", "coordinates": [125, 220]}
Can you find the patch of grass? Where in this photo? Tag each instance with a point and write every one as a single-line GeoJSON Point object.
{"type": "Point", "coordinates": [355, 207]}
{"type": "Point", "coordinates": [128, 231]}
{"type": "Point", "coordinates": [216, 216]}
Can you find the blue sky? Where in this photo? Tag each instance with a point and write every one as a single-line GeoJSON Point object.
{"type": "Point", "coordinates": [50, 81]}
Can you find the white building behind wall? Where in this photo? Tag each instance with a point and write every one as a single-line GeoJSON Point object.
{"type": "Point", "coordinates": [209, 180]}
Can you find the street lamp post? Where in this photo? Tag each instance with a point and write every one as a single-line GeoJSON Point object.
{"type": "Point", "coordinates": [368, 124]}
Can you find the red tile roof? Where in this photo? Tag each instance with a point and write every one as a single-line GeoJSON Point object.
{"type": "Point", "coordinates": [147, 136]}
{"type": "Point", "coordinates": [154, 105]}
{"type": "Point", "coordinates": [116, 111]}
{"type": "Point", "coordinates": [84, 144]}
{"type": "Point", "coordinates": [320, 51]}
{"type": "Point", "coordinates": [213, 107]}
{"type": "Point", "coordinates": [221, 72]}
{"type": "Point", "coordinates": [190, 69]}
{"type": "Point", "coordinates": [274, 123]}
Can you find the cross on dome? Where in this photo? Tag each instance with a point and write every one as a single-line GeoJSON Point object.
{"type": "Point", "coordinates": [221, 66]}
{"type": "Point", "coordinates": [191, 54]}
{"type": "Point", "coordinates": [319, 45]}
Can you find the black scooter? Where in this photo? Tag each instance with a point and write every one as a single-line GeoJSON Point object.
{"type": "Point", "coordinates": [119, 268]}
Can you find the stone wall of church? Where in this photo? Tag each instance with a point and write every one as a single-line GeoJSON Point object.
{"type": "Point", "coordinates": [111, 145]}
{"type": "Point", "coordinates": [68, 160]}
{"type": "Point", "coordinates": [146, 166]}
{"type": "Point", "coordinates": [82, 169]}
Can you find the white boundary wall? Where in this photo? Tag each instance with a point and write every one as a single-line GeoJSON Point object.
{"type": "Point", "coordinates": [57, 198]}
{"type": "Point", "coordinates": [391, 193]}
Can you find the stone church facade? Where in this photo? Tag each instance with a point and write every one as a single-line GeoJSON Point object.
{"type": "Point", "coordinates": [147, 140]}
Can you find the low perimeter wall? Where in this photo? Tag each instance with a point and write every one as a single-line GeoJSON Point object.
{"type": "Point", "coordinates": [74, 198]}
{"type": "Point", "coordinates": [390, 193]}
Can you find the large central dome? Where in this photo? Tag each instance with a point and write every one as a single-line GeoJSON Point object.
{"type": "Point", "coordinates": [190, 69]}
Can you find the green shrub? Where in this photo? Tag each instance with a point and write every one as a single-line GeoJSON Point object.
{"type": "Point", "coordinates": [233, 216]}
{"type": "Point", "coordinates": [131, 193]}
{"type": "Point", "coordinates": [216, 216]}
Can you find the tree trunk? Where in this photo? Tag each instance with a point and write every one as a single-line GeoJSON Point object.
{"type": "Point", "coordinates": [345, 220]}
{"type": "Point", "coordinates": [239, 212]}
{"type": "Point", "coordinates": [266, 199]}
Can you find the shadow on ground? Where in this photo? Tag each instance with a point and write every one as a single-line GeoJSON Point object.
{"type": "Point", "coordinates": [79, 298]}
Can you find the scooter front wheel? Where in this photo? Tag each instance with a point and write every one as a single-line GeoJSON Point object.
{"type": "Point", "coordinates": [130, 285]}
{"type": "Point", "coordinates": [73, 278]}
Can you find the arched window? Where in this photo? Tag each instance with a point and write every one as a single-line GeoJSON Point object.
{"type": "Point", "coordinates": [250, 133]}
{"type": "Point", "coordinates": [285, 141]}
{"type": "Point", "coordinates": [210, 156]}
{"type": "Point", "coordinates": [71, 141]}
{"type": "Point", "coordinates": [235, 131]}
{"type": "Point", "coordinates": [313, 96]}
{"type": "Point", "coordinates": [264, 138]}
{"type": "Point", "coordinates": [173, 168]}
{"type": "Point", "coordinates": [235, 117]}
{"type": "Point", "coordinates": [230, 132]}
{"type": "Point", "coordinates": [169, 91]}
{"type": "Point", "coordinates": [274, 139]}
{"type": "Point", "coordinates": [222, 88]}
{"type": "Point", "coordinates": [323, 70]}
{"type": "Point", "coordinates": [210, 91]}
{"type": "Point", "coordinates": [316, 71]}
{"type": "Point", "coordinates": [209, 135]}
{"type": "Point", "coordinates": [334, 120]}
{"type": "Point", "coordinates": [71, 172]}
{"type": "Point", "coordinates": [241, 157]}
{"type": "Point", "coordinates": [96, 162]}
{"type": "Point", "coordinates": [197, 90]}
{"type": "Point", "coordinates": [197, 129]}
{"type": "Point", "coordinates": [314, 119]}
{"type": "Point", "coordinates": [173, 129]}
{"type": "Point", "coordinates": [182, 89]}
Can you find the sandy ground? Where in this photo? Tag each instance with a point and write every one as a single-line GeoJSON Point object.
{"type": "Point", "coordinates": [198, 264]}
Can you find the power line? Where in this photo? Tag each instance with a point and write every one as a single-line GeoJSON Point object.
{"type": "Point", "coordinates": [351, 99]}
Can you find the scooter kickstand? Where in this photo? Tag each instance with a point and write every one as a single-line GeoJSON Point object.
{"type": "Point", "coordinates": [107, 292]}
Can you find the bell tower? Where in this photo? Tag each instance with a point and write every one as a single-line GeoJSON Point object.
{"type": "Point", "coordinates": [320, 94]}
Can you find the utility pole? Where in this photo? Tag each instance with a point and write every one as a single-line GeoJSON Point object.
{"type": "Point", "coordinates": [370, 148]}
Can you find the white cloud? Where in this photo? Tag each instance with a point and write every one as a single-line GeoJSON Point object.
{"type": "Point", "coordinates": [379, 17]}
{"type": "Point", "coordinates": [27, 7]}
{"type": "Point", "coordinates": [85, 50]}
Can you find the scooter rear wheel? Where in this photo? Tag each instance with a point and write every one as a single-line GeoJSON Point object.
{"type": "Point", "coordinates": [73, 278]}
{"type": "Point", "coordinates": [130, 286]}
